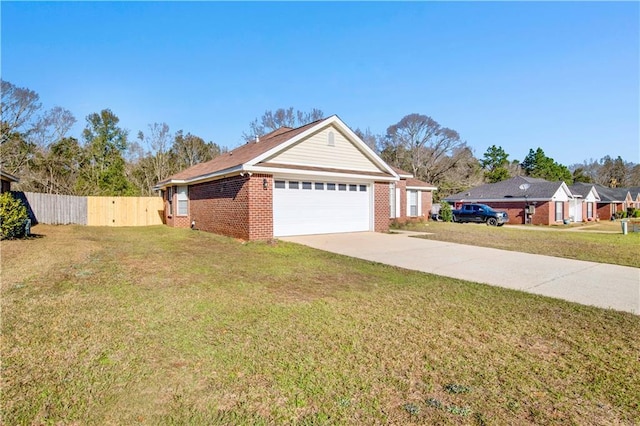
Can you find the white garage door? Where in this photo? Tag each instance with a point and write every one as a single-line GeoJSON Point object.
{"type": "Point", "coordinates": [315, 207]}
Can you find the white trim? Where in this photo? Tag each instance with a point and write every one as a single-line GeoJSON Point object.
{"type": "Point", "coordinates": [423, 188]}
{"type": "Point", "coordinates": [9, 177]}
{"type": "Point", "coordinates": [329, 175]}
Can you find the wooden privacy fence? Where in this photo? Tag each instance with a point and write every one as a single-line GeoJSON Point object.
{"type": "Point", "coordinates": [124, 211]}
{"type": "Point", "coordinates": [92, 211]}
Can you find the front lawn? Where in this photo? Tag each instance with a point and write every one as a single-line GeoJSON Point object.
{"type": "Point", "coordinates": [167, 326]}
{"type": "Point", "coordinates": [587, 242]}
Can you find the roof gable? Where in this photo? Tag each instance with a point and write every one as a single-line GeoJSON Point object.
{"type": "Point", "coordinates": [256, 154]}
{"type": "Point", "coordinates": [587, 191]}
{"type": "Point", "coordinates": [327, 147]}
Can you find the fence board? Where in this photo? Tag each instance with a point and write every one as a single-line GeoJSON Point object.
{"type": "Point", "coordinates": [56, 209]}
{"type": "Point", "coordinates": [124, 211]}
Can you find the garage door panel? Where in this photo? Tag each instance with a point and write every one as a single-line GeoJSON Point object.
{"type": "Point", "coordinates": [320, 211]}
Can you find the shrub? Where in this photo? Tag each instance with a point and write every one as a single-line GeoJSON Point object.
{"type": "Point", "coordinates": [446, 212]}
{"type": "Point", "coordinates": [636, 213]}
{"type": "Point", "coordinates": [13, 215]}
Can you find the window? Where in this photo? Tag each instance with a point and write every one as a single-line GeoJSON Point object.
{"type": "Point", "coordinates": [412, 200]}
{"type": "Point", "coordinates": [183, 201]}
{"type": "Point", "coordinates": [331, 139]}
{"type": "Point", "coordinates": [331, 187]}
{"type": "Point", "coordinates": [392, 200]}
{"type": "Point", "coordinates": [279, 184]}
{"type": "Point", "coordinates": [342, 187]}
{"type": "Point", "coordinates": [306, 185]}
{"type": "Point", "coordinates": [293, 184]}
{"type": "Point", "coordinates": [353, 187]}
{"type": "Point", "coordinates": [559, 211]}
{"type": "Point", "coordinates": [319, 186]}
{"type": "Point", "coordinates": [363, 188]}
{"type": "Point", "coordinates": [590, 210]}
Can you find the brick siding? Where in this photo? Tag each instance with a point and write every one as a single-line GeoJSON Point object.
{"type": "Point", "coordinates": [381, 207]}
{"type": "Point", "coordinates": [260, 207]}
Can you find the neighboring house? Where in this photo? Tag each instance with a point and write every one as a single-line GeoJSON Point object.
{"type": "Point", "coordinates": [6, 180]}
{"type": "Point", "coordinates": [525, 199]}
{"type": "Point", "coordinates": [315, 179]}
{"type": "Point", "coordinates": [612, 201]}
{"type": "Point", "coordinates": [583, 206]}
{"type": "Point", "coordinates": [410, 198]}
{"type": "Point", "coordinates": [635, 196]}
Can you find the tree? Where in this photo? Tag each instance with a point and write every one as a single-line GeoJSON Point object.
{"type": "Point", "coordinates": [495, 162]}
{"type": "Point", "coordinates": [157, 164]}
{"type": "Point", "coordinates": [612, 173]}
{"type": "Point", "coordinates": [102, 171]}
{"type": "Point", "coordinates": [536, 164]}
{"type": "Point", "coordinates": [419, 144]}
{"type": "Point", "coordinates": [272, 120]}
{"type": "Point", "coordinates": [372, 141]}
{"type": "Point", "coordinates": [55, 170]}
{"type": "Point", "coordinates": [189, 150]}
{"type": "Point", "coordinates": [579, 175]}
{"type": "Point", "coordinates": [18, 106]}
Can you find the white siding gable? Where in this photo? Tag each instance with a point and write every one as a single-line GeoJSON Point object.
{"type": "Point", "coordinates": [560, 195]}
{"type": "Point", "coordinates": [591, 196]}
{"type": "Point", "coordinates": [317, 151]}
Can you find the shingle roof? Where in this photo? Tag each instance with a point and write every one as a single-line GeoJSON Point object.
{"type": "Point", "coordinates": [611, 194]}
{"type": "Point", "coordinates": [413, 182]}
{"type": "Point", "coordinates": [581, 188]}
{"type": "Point", "coordinates": [635, 191]}
{"type": "Point", "coordinates": [536, 189]}
{"type": "Point", "coordinates": [240, 155]}
{"type": "Point", "coordinates": [401, 172]}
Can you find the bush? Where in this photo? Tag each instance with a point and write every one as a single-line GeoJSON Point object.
{"type": "Point", "coordinates": [13, 215]}
{"type": "Point", "coordinates": [446, 212]}
{"type": "Point", "coordinates": [636, 213]}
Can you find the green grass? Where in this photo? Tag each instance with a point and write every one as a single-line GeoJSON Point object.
{"type": "Point", "coordinates": [166, 326]}
{"type": "Point", "coordinates": [583, 243]}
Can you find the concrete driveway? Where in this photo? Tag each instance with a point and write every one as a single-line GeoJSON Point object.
{"type": "Point", "coordinates": [588, 283]}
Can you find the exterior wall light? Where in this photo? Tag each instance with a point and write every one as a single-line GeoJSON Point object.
{"type": "Point", "coordinates": [265, 184]}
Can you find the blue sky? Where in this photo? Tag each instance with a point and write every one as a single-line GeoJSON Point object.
{"type": "Point", "coordinates": [560, 76]}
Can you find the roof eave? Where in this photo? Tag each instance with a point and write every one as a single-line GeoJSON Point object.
{"type": "Point", "coordinates": [9, 176]}
{"type": "Point", "coordinates": [423, 188]}
{"type": "Point", "coordinates": [203, 178]}
{"type": "Point", "coordinates": [329, 174]}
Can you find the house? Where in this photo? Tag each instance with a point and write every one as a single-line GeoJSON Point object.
{"type": "Point", "coordinates": [612, 201]}
{"type": "Point", "coordinates": [6, 180]}
{"type": "Point", "coordinates": [525, 199]}
{"type": "Point", "coordinates": [582, 208]}
{"type": "Point", "coordinates": [635, 196]}
{"type": "Point", "coordinates": [315, 179]}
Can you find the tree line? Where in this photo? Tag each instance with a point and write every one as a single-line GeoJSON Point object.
{"type": "Point", "coordinates": [35, 145]}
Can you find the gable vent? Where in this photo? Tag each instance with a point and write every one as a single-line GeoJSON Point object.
{"type": "Point", "coordinates": [331, 139]}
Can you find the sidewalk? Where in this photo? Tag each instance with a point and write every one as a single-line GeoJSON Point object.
{"type": "Point", "coordinates": [588, 283]}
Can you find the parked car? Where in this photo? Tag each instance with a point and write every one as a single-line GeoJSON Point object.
{"type": "Point", "coordinates": [480, 213]}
